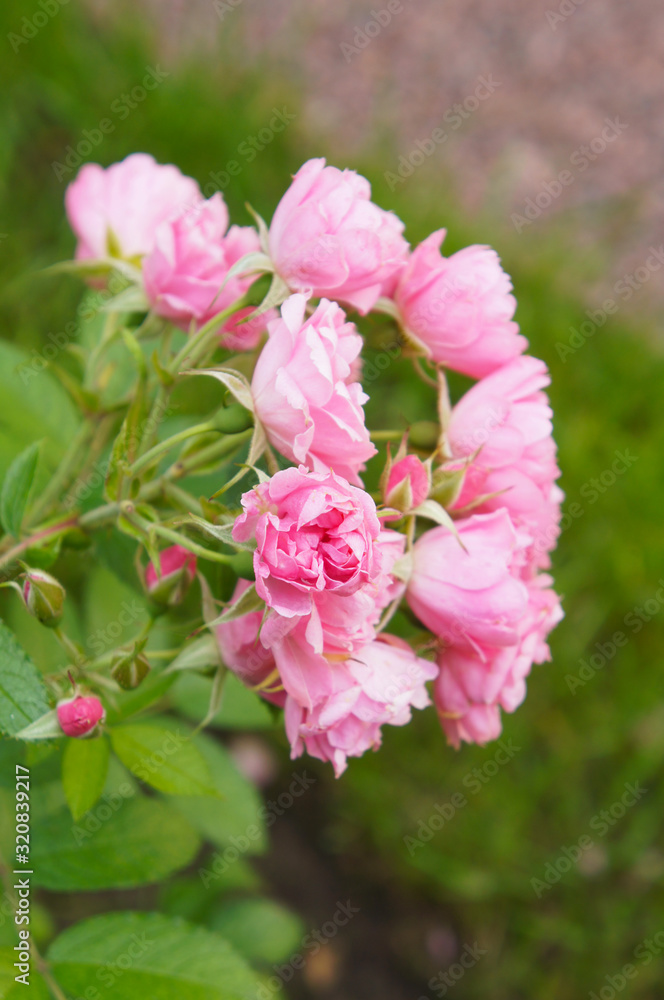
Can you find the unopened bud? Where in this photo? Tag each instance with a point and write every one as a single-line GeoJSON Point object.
{"type": "Point", "coordinates": [178, 569]}
{"type": "Point", "coordinates": [129, 669]}
{"type": "Point", "coordinates": [446, 486]}
{"type": "Point", "coordinates": [44, 597]}
{"type": "Point", "coordinates": [80, 716]}
{"type": "Point", "coordinates": [408, 484]}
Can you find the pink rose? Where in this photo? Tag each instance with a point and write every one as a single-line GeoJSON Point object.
{"type": "Point", "coordinates": [185, 271]}
{"type": "Point", "coordinates": [327, 238]}
{"type": "Point", "coordinates": [474, 684]}
{"type": "Point", "coordinates": [473, 596]}
{"type": "Point", "coordinates": [506, 420]}
{"type": "Point", "coordinates": [316, 536]}
{"type": "Point", "coordinates": [244, 654]}
{"type": "Point", "coordinates": [379, 685]}
{"type": "Point", "coordinates": [460, 308]}
{"type": "Point", "coordinates": [80, 716]}
{"type": "Point", "coordinates": [117, 211]}
{"type": "Point", "coordinates": [304, 393]}
{"type": "Point", "coordinates": [178, 569]}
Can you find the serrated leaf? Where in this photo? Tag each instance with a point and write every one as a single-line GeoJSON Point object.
{"type": "Point", "coordinates": [168, 958]}
{"type": "Point", "coordinates": [16, 489]}
{"type": "Point", "coordinates": [23, 695]}
{"type": "Point", "coordinates": [84, 771]}
{"type": "Point", "coordinates": [128, 842]}
{"type": "Point", "coordinates": [164, 758]}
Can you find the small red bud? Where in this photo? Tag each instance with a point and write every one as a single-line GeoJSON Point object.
{"type": "Point", "coordinates": [80, 716]}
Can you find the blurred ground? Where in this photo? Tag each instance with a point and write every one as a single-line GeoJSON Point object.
{"type": "Point", "coordinates": [375, 74]}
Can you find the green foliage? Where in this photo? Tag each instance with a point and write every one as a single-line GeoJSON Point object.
{"type": "Point", "coordinates": [23, 696]}
{"type": "Point", "coordinates": [261, 930]}
{"type": "Point", "coordinates": [237, 812]}
{"type": "Point", "coordinates": [84, 773]}
{"type": "Point", "coordinates": [163, 758]}
{"type": "Point", "coordinates": [148, 955]}
{"type": "Point", "coordinates": [123, 843]}
{"type": "Point", "coordinates": [16, 489]}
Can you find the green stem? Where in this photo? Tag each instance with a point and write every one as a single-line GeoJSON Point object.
{"type": "Point", "coordinates": [386, 435]}
{"type": "Point", "coordinates": [71, 458]}
{"type": "Point", "coordinates": [51, 532]}
{"type": "Point", "coordinates": [199, 550]}
{"type": "Point", "coordinates": [164, 446]}
{"type": "Point", "coordinates": [219, 449]}
{"type": "Point", "coordinates": [196, 346]}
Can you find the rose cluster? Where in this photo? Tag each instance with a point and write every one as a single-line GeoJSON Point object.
{"type": "Point", "coordinates": [333, 563]}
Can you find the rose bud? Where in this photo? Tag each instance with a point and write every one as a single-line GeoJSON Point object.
{"type": "Point", "coordinates": [44, 597]}
{"type": "Point", "coordinates": [408, 483]}
{"type": "Point", "coordinates": [178, 569]}
{"type": "Point", "coordinates": [129, 669]}
{"type": "Point", "coordinates": [80, 716]}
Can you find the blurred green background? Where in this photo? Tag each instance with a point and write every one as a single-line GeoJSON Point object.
{"type": "Point", "coordinates": [471, 883]}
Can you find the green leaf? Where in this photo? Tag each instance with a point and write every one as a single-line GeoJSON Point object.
{"type": "Point", "coordinates": [262, 931]}
{"type": "Point", "coordinates": [196, 655]}
{"type": "Point", "coordinates": [84, 770]}
{"type": "Point", "coordinates": [247, 603]}
{"type": "Point", "coordinates": [122, 843]}
{"type": "Point", "coordinates": [33, 406]}
{"type": "Point", "coordinates": [46, 727]}
{"type": "Point", "coordinates": [23, 696]}
{"type": "Point", "coordinates": [16, 489]}
{"type": "Point", "coordinates": [152, 956]}
{"type": "Point", "coordinates": [10, 989]}
{"type": "Point", "coordinates": [240, 709]}
{"type": "Point", "coordinates": [164, 758]}
{"type": "Point", "coordinates": [239, 815]}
